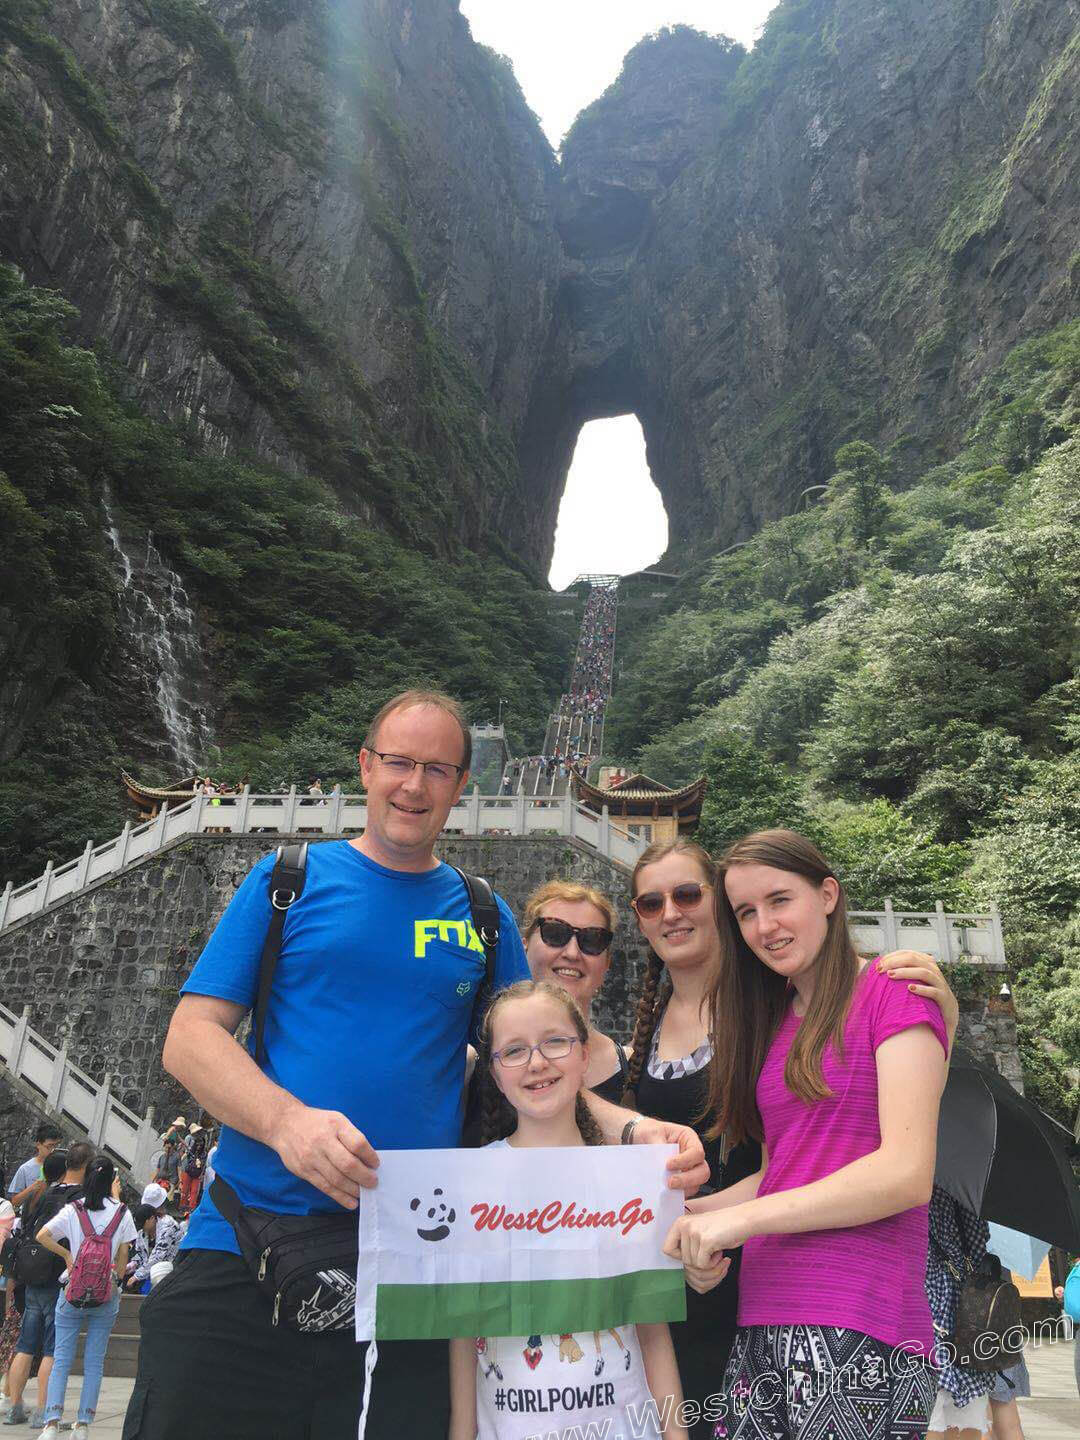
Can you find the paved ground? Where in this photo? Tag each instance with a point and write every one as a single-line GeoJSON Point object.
{"type": "Point", "coordinates": [1052, 1413]}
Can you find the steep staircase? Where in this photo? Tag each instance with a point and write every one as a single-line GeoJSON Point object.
{"type": "Point", "coordinates": [576, 727]}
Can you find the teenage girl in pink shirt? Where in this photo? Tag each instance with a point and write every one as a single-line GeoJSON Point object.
{"type": "Point", "coordinates": [838, 1071]}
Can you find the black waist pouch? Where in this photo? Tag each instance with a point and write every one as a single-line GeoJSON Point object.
{"type": "Point", "coordinates": [305, 1265]}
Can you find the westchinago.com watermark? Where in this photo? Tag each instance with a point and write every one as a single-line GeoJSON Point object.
{"type": "Point", "coordinates": [801, 1386]}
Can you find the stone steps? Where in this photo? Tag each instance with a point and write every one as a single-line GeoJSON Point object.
{"type": "Point", "coordinates": [122, 1354]}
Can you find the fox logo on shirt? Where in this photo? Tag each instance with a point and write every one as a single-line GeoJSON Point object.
{"type": "Point", "coordinates": [453, 932]}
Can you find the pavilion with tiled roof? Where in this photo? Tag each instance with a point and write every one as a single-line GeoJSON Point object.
{"type": "Point", "coordinates": [642, 806]}
{"type": "Point", "coordinates": [150, 799]}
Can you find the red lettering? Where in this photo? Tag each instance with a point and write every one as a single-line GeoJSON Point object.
{"type": "Point", "coordinates": [488, 1217]}
{"type": "Point", "coordinates": [632, 1214]}
{"type": "Point", "coordinates": [548, 1218]}
{"type": "Point", "coordinates": [557, 1215]}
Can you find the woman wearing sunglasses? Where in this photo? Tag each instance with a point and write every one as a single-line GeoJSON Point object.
{"type": "Point", "coordinates": [672, 889]}
{"type": "Point", "coordinates": [568, 929]}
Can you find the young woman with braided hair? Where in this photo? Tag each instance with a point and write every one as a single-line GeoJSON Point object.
{"type": "Point", "coordinates": [673, 893]}
{"type": "Point", "coordinates": [535, 1057]}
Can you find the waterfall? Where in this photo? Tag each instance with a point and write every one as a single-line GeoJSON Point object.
{"type": "Point", "coordinates": [161, 620]}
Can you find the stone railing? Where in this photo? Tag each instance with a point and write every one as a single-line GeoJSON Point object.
{"type": "Point", "coordinates": [949, 937]}
{"type": "Point", "coordinates": [298, 813]}
{"type": "Point", "coordinates": [946, 936]}
{"type": "Point", "coordinates": [67, 1091]}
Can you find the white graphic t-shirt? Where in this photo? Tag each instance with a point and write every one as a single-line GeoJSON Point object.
{"type": "Point", "coordinates": [556, 1386]}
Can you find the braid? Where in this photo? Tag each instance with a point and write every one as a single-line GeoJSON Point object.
{"type": "Point", "coordinates": [583, 1118]}
{"type": "Point", "coordinates": [644, 1025]}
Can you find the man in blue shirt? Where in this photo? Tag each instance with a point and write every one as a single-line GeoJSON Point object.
{"type": "Point", "coordinates": [366, 1037]}
{"type": "Point", "coordinates": [46, 1138]}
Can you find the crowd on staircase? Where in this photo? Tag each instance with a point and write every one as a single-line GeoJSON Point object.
{"type": "Point", "coordinates": [574, 737]}
{"type": "Point", "coordinates": [590, 684]}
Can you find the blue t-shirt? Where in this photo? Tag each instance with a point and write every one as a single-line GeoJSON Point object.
{"type": "Point", "coordinates": [26, 1174]}
{"type": "Point", "coordinates": [369, 1012]}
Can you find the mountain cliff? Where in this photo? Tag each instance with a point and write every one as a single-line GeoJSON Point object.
{"type": "Point", "coordinates": [319, 232]}
{"type": "Point", "coordinates": [838, 236]}
{"type": "Point", "coordinates": [305, 317]}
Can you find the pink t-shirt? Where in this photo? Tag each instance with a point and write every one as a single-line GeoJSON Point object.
{"type": "Point", "coordinates": [871, 1277]}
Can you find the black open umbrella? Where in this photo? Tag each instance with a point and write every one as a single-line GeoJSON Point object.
{"type": "Point", "coordinates": [1003, 1158]}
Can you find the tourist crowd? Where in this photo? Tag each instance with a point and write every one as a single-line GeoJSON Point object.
{"type": "Point", "coordinates": [590, 681]}
{"type": "Point", "coordinates": [797, 1083]}
{"type": "Point", "coordinates": [70, 1247]}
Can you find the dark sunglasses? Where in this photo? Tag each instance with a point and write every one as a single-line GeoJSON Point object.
{"type": "Point", "coordinates": [591, 939]}
{"type": "Point", "coordinates": [686, 897]}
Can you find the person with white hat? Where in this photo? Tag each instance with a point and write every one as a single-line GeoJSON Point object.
{"type": "Point", "coordinates": [156, 1242]}
{"type": "Point", "coordinates": [176, 1133]}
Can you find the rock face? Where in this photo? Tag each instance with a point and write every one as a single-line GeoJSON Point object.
{"type": "Point", "coordinates": [321, 232]}
{"type": "Point", "coordinates": [837, 239]}
{"type": "Point", "coordinates": [335, 235]}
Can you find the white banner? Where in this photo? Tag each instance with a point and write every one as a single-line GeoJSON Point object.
{"type": "Point", "coordinates": [502, 1241]}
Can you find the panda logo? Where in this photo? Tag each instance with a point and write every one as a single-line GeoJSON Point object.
{"type": "Point", "coordinates": [442, 1215]}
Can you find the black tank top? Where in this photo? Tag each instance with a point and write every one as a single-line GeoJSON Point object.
{"type": "Point", "coordinates": [703, 1340]}
{"type": "Point", "coordinates": [612, 1088]}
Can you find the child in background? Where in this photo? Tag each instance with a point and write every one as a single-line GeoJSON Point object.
{"type": "Point", "coordinates": [535, 1042]}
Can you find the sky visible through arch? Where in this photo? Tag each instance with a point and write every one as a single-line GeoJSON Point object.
{"type": "Point", "coordinates": [565, 53]}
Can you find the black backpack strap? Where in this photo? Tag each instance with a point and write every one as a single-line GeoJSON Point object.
{"type": "Point", "coordinates": [486, 921]}
{"type": "Point", "coordinates": [226, 1199]}
{"type": "Point", "coordinates": [286, 887]}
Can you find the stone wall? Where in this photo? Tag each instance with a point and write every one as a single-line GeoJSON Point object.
{"type": "Point", "coordinates": [101, 971]}
{"type": "Point", "coordinates": [18, 1121]}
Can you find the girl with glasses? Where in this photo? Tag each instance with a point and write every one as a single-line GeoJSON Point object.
{"type": "Point", "coordinates": [673, 890]}
{"type": "Point", "coordinates": [837, 1072]}
{"type": "Point", "coordinates": [535, 1045]}
{"type": "Point", "coordinates": [568, 930]}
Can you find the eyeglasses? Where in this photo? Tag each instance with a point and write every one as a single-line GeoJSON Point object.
{"type": "Point", "coordinates": [686, 897]}
{"type": "Point", "coordinates": [591, 939]}
{"type": "Point", "coordinates": [401, 765]}
{"type": "Point", "coordinates": [557, 1047]}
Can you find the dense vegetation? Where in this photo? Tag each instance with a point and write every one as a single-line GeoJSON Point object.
{"type": "Point", "coordinates": [310, 617]}
{"type": "Point", "coordinates": [898, 674]}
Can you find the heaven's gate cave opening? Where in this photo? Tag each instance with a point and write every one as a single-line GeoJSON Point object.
{"type": "Point", "coordinates": [611, 520]}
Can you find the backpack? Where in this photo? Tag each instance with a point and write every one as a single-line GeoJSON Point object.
{"type": "Point", "coordinates": [90, 1281]}
{"type": "Point", "coordinates": [25, 1260]}
{"type": "Point", "coordinates": [287, 885]}
{"type": "Point", "coordinates": [986, 1305]}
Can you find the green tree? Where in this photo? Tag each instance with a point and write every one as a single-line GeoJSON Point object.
{"type": "Point", "coordinates": [747, 791]}
{"type": "Point", "coordinates": [857, 496]}
{"type": "Point", "coordinates": [976, 772]}
{"type": "Point", "coordinates": [880, 855]}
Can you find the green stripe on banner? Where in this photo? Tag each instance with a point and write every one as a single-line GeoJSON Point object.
{"type": "Point", "coordinates": [528, 1307]}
